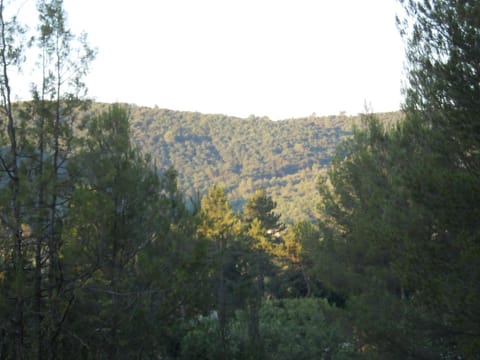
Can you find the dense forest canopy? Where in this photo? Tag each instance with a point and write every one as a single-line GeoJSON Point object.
{"type": "Point", "coordinates": [128, 232]}
{"type": "Point", "coordinates": [285, 157]}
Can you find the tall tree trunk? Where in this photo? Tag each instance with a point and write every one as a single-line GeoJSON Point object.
{"type": "Point", "coordinates": [11, 167]}
{"type": "Point", "coordinates": [222, 302]}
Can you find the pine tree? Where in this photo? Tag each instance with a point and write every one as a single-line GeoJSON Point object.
{"type": "Point", "coordinates": [399, 228]}
{"type": "Point", "coordinates": [13, 252]}
{"type": "Point", "coordinates": [261, 206]}
{"type": "Point", "coordinates": [221, 227]}
{"type": "Point", "coordinates": [39, 137]}
{"type": "Point", "coordinates": [115, 215]}
{"type": "Point", "coordinates": [443, 117]}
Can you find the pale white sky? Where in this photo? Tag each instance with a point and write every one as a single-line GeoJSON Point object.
{"type": "Point", "coordinates": [275, 58]}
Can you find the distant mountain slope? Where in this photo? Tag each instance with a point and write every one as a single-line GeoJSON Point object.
{"type": "Point", "coordinates": [285, 157]}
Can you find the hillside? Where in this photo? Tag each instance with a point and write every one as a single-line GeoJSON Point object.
{"type": "Point", "coordinates": [285, 157]}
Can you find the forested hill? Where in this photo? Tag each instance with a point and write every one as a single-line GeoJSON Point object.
{"type": "Point", "coordinates": [284, 157]}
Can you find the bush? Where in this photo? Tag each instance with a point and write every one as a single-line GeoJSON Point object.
{"type": "Point", "coordinates": [287, 329]}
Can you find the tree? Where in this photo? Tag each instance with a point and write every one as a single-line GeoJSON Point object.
{"type": "Point", "coordinates": [39, 134]}
{"type": "Point", "coordinates": [221, 226]}
{"type": "Point", "coordinates": [63, 62]}
{"type": "Point", "coordinates": [366, 216]}
{"type": "Point", "coordinates": [172, 278]}
{"type": "Point", "coordinates": [308, 329]}
{"type": "Point", "coordinates": [443, 89]}
{"type": "Point", "coordinates": [263, 225]}
{"type": "Point", "coordinates": [300, 243]}
{"type": "Point", "coordinates": [261, 206]}
{"type": "Point", "coordinates": [117, 189]}
{"type": "Point", "coordinates": [443, 96]}
{"type": "Point", "coordinates": [399, 228]}
{"type": "Point", "coordinates": [11, 54]}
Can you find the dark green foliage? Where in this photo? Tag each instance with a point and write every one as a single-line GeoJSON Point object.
{"type": "Point", "coordinates": [400, 235]}
{"type": "Point", "coordinates": [261, 207]}
{"type": "Point", "coordinates": [221, 227]}
{"type": "Point", "coordinates": [288, 329]}
{"type": "Point", "coordinates": [296, 259]}
{"type": "Point", "coordinates": [396, 233]}
{"type": "Point", "coordinates": [116, 191]}
{"type": "Point", "coordinates": [37, 184]}
{"type": "Point", "coordinates": [131, 248]}
{"type": "Point", "coordinates": [101, 257]}
{"type": "Point", "coordinates": [443, 101]}
{"type": "Point", "coordinates": [443, 52]}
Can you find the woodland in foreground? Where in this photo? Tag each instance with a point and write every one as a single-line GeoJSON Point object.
{"type": "Point", "coordinates": [103, 256]}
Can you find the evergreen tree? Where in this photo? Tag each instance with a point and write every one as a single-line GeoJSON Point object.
{"type": "Point", "coordinates": [13, 254]}
{"type": "Point", "coordinates": [64, 62]}
{"type": "Point", "coordinates": [221, 227]}
{"type": "Point", "coordinates": [443, 105]}
{"type": "Point", "coordinates": [262, 223]}
{"type": "Point", "coordinates": [399, 228]}
{"type": "Point", "coordinates": [262, 226]}
{"type": "Point", "coordinates": [261, 206]}
{"type": "Point", "coordinates": [300, 243]}
{"type": "Point", "coordinates": [115, 215]}
{"type": "Point", "coordinates": [443, 91]}
{"type": "Point", "coordinates": [40, 135]}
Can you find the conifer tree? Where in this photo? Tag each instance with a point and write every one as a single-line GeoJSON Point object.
{"type": "Point", "coordinates": [13, 252]}
{"type": "Point", "coordinates": [39, 134]}
{"type": "Point", "coordinates": [221, 226]}
{"type": "Point", "coordinates": [399, 231]}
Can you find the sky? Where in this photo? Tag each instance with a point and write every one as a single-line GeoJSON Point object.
{"type": "Point", "coordinates": [274, 58]}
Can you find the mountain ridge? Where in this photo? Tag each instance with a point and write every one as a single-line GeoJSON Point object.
{"type": "Point", "coordinates": [285, 157]}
